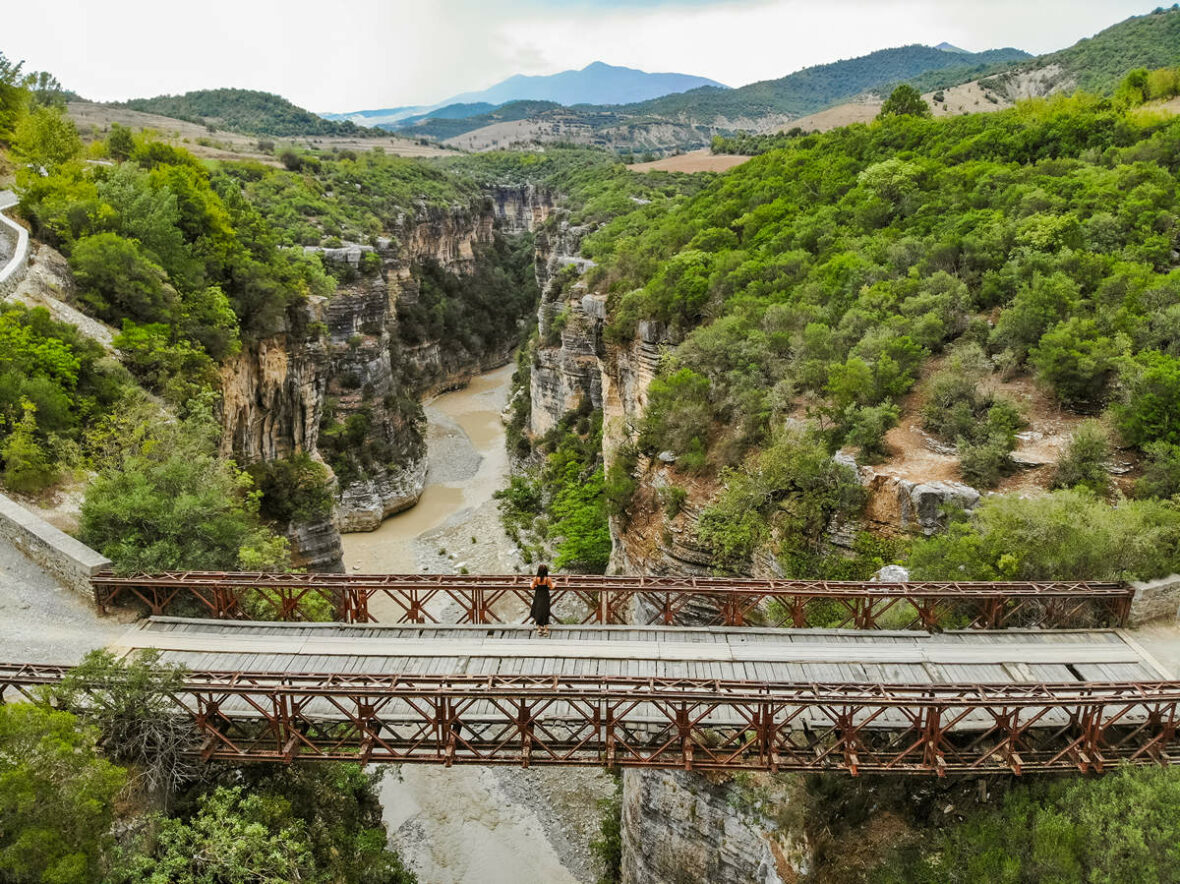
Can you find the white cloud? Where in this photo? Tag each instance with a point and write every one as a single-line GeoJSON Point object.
{"type": "Point", "coordinates": [374, 53]}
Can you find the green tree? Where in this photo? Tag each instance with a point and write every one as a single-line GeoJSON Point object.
{"type": "Point", "coordinates": [120, 142]}
{"type": "Point", "coordinates": [1077, 361]}
{"type": "Point", "coordinates": [169, 502]}
{"type": "Point", "coordinates": [14, 97]}
{"type": "Point", "coordinates": [1066, 535]}
{"type": "Point", "coordinates": [27, 467]}
{"type": "Point", "coordinates": [294, 489]}
{"type": "Point", "coordinates": [56, 798]}
{"type": "Point", "coordinates": [904, 101]}
{"type": "Point", "coordinates": [118, 281]}
{"type": "Point", "coordinates": [1150, 409]}
{"type": "Point", "coordinates": [46, 137]}
{"type": "Point", "coordinates": [234, 838]}
{"type": "Point", "coordinates": [1161, 471]}
{"type": "Point", "coordinates": [1083, 465]}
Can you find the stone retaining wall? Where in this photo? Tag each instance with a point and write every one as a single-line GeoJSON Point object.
{"type": "Point", "coordinates": [14, 271]}
{"type": "Point", "coordinates": [1156, 600]}
{"type": "Point", "coordinates": [70, 560]}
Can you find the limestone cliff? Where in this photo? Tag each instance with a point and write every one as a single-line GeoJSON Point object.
{"type": "Point", "coordinates": [339, 384]}
{"type": "Point", "coordinates": [681, 826]}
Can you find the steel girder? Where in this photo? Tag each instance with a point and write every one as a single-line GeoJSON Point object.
{"type": "Point", "coordinates": [667, 723]}
{"type": "Point", "coordinates": [637, 600]}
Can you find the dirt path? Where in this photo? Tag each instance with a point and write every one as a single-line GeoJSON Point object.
{"type": "Point", "coordinates": [475, 825]}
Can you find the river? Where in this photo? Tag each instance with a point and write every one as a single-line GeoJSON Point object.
{"type": "Point", "coordinates": [475, 825]}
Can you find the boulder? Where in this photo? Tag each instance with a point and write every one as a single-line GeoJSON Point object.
{"type": "Point", "coordinates": [923, 505]}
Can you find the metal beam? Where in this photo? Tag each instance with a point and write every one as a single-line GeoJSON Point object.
{"type": "Point", "coordinates": [693, 724]}
{"type": "Point", "coordinates": [700, 601]}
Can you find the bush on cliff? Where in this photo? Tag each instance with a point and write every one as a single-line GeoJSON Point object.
{"type": "Point", "coordinates": [1065, 535]}
{"type": "Point", "coordinates": [1124, 826]}
{"type": "Point", "coordinates": [166, 501]}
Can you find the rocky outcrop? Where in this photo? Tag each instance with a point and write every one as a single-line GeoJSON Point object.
{"type": "Point", "coordinates": [340, 369]}
{"type": "Point", "coordinates": [900, 506]}
{"type": "Point", "coordinates": [680, 826]}
{"type": "Point", "coordinates": [316, 545]}
{"type": "Point", "coordinates": [522, 208]}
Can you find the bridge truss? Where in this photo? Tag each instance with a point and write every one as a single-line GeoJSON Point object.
{"type": "Point", "coordinates": [650, 723]}
{"type": "Point", "coordinates": [698, 601]}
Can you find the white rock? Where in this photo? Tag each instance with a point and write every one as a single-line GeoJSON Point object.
{"type": "Point", "coordinates": [667, 457]}
{"type": "Point", "coordinates": [892, 574]}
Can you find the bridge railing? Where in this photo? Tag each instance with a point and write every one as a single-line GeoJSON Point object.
{"type": "Point", "coordinates": [689, 724]}
{"type": "Point", "coordinates": [680, 601]}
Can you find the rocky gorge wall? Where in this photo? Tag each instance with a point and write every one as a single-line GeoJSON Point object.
{"type": "Point", "coordinates": [680, 826]}
{"type": "Point", "coordinates": [339, 368]}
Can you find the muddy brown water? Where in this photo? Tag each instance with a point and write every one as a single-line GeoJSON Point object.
{"type": "Point", "coordinates": [474, 825]}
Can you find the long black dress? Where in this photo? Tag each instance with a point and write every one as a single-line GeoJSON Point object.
{"type": "Point", "coordinates": [539, 610]}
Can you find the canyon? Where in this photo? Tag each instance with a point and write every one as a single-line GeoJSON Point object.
{"type": "Point", "coordinates": [340, 362]}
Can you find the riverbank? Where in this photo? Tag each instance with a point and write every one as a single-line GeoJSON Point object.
{"type": "Point", "coordinates": [475, 825]}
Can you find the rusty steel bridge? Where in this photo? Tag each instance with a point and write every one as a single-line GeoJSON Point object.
{"type": "Point", "coordinates": [686, 673]}
{"type": "Point", "coordinates": [698, 601]}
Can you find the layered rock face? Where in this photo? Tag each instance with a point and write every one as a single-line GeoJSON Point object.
{"type": "Point", "coordinates": [677, 826]}
{"type": "Point", "coordinates": [342, 354]}
{"type": "Point", "coordinates": [681, 827]}
{"type": "Point", "coordinates": [567, 368]}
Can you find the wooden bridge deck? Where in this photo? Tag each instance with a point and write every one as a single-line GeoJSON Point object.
{"type": "Point", "coordinates": [753, 655]}
{"type": "Point", "coordinates": [691, 698]}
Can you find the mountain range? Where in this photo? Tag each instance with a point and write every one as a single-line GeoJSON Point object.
{"type": "Point", "coordinates": [595, 104]}
{"type": "Point", "coordinates": [597, 83]}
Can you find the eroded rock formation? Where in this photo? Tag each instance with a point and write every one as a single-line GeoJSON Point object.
{"type": "Point", "coordinates": [339, 368]}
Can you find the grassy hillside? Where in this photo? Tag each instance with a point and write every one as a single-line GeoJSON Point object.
{"type": "Point", "coordinates": [243, 110]}
{"type": "Point", "coordinates": [442, 128]}
{"type": "Point", "coordinates": [815, 88]}
{"type": "Point", "coordinates": [1100, 63]}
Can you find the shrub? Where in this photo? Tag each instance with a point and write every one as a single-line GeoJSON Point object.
{"type": "Point", "coordinates": [294, 489]}
{"type": "Point", "coordinates": [1121, 827]}
{"type": "Point", "coordinates": [1065, 535]}
{"type": "Point", "coordinates": [673, 498]}
{"type": "Point", "coordinates": [1084, 462]}
{"type": "Point", "coordinates": [1077, 361]}
{"type": "Point", "coordinates": [56, 798]}
{"type": "Point", "coordinates": [1161, 471]}
{"type": "Point", "coordinates": [1150, 409]}
{"type": "Point", "coordinates": [984, 463]}
{"type": "Point", "coordinates": [28, 469]}
{"type": "Point", "coordinates": [621, 483]}
{"type": "Point", "coordinates": [118, 281]}
{"type": "Point", "coordinates": [170, 503]}
{"type": "Point", "coordinates": [679, 413]}
{"type": "Point", "coordinates": [786, 495]}
{"type": "Point", "coordinates": [867, 428]}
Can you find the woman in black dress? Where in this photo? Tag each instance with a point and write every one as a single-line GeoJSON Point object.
{"type": "Point", "coordinates": [542, 585]}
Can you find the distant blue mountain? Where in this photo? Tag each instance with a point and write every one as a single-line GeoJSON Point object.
{"type": "Point", "coordinates": [597, 83]}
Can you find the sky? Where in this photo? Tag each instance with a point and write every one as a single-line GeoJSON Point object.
{"type": "Point", "coordinates": [365, 54]}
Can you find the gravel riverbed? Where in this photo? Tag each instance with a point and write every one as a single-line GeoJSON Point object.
{"type": "Point", "coordinates": [476, 825]}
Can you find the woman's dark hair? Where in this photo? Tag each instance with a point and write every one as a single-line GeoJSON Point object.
{"type": "Point", "coordinates": [542, 570]}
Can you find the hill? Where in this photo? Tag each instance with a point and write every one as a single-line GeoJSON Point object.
{"type": "Point", "coordinates": [815, 88]}
{"type": "Point", "coordinates": [597, 83]}
{"type": "Point", "coordinates": [690, 119]}
{"type": "Point", "coordinates": [442, 127]}
{"type": "Point", "coordinates": [243, 110]}
{"type": "Point", "coordinates": [1101, 62]}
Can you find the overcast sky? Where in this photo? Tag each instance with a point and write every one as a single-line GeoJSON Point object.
{"type": "Point", "coordinates": [358, 54]}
